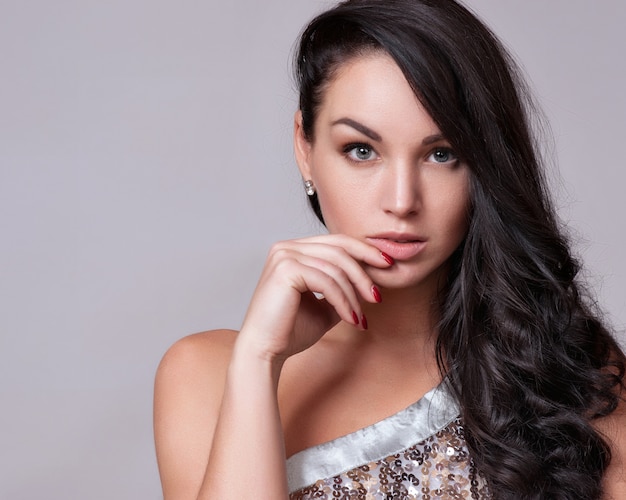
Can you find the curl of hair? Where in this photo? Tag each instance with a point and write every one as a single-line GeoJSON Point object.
{"type": "Point", "coordinates": [529, 360]}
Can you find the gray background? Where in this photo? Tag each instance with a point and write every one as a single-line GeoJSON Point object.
{"type": "Point", "coordinates": [145, 168]}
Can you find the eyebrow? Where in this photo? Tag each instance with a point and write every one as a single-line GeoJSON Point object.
{"type": "Point", "coordinates": [431, 139]}
{"type": "Point", "coordinates": [375, 136]}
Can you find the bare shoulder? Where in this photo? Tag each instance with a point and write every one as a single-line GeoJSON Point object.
{"type": "Point", "coordinates": [200, 350]}
{"type": "Point", "coordinates": [197, 361]}
{"type": "Point", "coordinates": [613, 428]}
{"type": "Point", "coordinates": [188, 391]}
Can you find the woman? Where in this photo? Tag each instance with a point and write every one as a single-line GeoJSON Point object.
{"type": "Point", "coordinates": [436, 343]}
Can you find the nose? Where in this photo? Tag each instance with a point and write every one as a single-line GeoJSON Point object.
{"type": "Point", "coordinates": [401, 193]}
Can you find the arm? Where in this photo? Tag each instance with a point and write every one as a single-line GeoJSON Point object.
{"type": "Point", "coordinates": [248, 449]}
{"type": "Point", "coordinates": [188, 389]}
{"type": "Point", "coordinates": [217, 426]}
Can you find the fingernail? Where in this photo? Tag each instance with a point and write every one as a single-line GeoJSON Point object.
{"type": "Point", "coordinates": [389, 260]}
{"type": "Point", "coordinates": [376, 293]}
{"type": "Point", "coordinates": [355, 318]}
{"type": "Point", "coordinates": [364, 321]}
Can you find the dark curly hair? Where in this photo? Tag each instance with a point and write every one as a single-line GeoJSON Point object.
{"type": "Point", "coordinates": [527, 355]}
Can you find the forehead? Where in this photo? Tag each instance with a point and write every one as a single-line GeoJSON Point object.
{"type": "Point", "coordinates": [372, 89]}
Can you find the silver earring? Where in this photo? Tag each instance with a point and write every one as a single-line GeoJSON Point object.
{"type": "Point", "coordinates": [309, 188]}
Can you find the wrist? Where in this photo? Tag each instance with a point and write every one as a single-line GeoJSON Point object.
{"type": "Point", "coordinates": [249, 354]}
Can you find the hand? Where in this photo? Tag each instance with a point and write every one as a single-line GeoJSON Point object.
{"type": "Point", "coordinates": [285, 317]}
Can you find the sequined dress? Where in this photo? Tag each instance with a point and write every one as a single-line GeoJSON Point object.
{"type": "Point", "coordinates": [417, 453]}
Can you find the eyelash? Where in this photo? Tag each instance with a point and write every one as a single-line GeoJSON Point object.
{"type": "Point", "coordinates": [448, 151]}
{"type": "Point", "coordinates": [349, 148]}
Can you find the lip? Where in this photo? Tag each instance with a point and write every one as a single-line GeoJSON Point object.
{"type": "Point", "coordinates": [399, 246]}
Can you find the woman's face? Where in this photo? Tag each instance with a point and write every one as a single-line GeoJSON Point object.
{"type": "Point", "coordinates": [383, 172]}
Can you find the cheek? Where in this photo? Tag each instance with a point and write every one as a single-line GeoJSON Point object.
{"type": "Point", "coordinates": [341, 206]}
{"type": "Point", "coordinates": [455, 209]}
{"type": "Point", "coordinates": [463, 216]}
{"type": "Point", "coordinates": [341, 195]}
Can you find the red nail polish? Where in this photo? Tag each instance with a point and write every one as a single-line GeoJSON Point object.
{"type": "Point", "coordinates": [355, 318]}
{"type": "Point", "coordinates": [376, 293]}
{"type": "Point", "coordinates": [364, 321]}
{"type": "Point", "coordinates": [389, 260]}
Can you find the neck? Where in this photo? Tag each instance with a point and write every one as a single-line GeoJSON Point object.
{"type": "Point", "coordinates": [402, 327]}
{"type": "Point", "coordinates": [401, 338]}
{"type": "Point", "coordinates": [403, 314]}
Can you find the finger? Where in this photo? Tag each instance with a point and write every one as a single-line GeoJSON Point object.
{"type": "Point", "coordinates": [337, 262]}
{"type": "Point", "coordinates": [359, 250]}
{"type": "Point", "coordinates": [340, 276]}
{"type": "Point", "coordinates": [313, 279]}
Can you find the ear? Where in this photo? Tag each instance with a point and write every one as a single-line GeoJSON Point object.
{"type": "Point", "coordinates": [302, 147]}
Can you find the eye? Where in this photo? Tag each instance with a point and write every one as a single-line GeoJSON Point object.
{"type": "Point", "coordinates": [442, 155]}
{"type": "Point", "coordinates": [359, 152]}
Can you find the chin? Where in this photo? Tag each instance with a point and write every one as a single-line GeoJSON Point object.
{"type": "Point", "coordinates": [400, 279]}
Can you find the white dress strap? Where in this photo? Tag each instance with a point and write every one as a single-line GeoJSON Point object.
{"type": "Point", "coordinates": [430, 414]}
